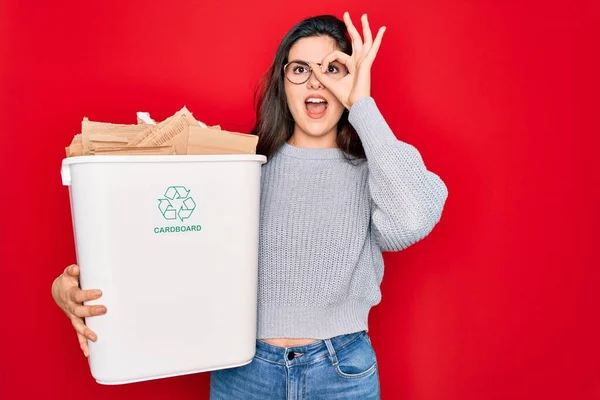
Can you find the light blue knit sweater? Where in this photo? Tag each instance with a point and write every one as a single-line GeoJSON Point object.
{"type": "Point", "coordinates": [324, 223]}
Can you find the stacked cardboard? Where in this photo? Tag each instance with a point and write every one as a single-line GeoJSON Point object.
{"type": "Point", "coordinates": [179, 134]}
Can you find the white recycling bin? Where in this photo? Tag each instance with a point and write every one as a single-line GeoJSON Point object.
{"type": "Point", "coordinates": [172, 242]}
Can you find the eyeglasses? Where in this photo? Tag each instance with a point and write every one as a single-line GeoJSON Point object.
{"type": "Point", "coordinates": [298, 71]}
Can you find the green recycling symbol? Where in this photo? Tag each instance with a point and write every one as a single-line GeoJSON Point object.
{"type": "Point", "coordinates": [177, 203]}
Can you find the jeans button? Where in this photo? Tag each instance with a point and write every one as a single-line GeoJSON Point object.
{"type": "Point", "coordinates": [291, 355]}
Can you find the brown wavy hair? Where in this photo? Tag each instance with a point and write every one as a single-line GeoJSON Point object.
{"type": "Point", "coordinates": [274, 122]}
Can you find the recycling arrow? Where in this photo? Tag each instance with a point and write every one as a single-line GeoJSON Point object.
{"type": "Point", "coordinates": [177, 192]}
{"type": "Point", "coordinates": [187, 209]}
{"type": "Point", "coordinates": [166, 209]}
{"type": "Point", "coordinates": [176, 203]}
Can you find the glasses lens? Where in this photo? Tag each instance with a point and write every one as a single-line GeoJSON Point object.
{"type": "Point", "coordinates": [297, 72]}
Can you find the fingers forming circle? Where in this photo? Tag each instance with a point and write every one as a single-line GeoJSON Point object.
{"type": "Point", "coordinates": [337, 56]}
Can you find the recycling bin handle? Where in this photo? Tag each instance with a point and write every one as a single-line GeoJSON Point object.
{"type": "Point", "coordinates": [65, 173]}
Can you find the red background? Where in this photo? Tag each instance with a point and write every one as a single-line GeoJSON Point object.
{"type": "Point", "coordinates": [499, 302]}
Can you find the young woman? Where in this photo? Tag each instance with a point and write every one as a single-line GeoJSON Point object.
{"type": "Point", "coordinates": [339, 188]}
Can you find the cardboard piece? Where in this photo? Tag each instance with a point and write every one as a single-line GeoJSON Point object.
{"type": "Point", "coordinates": [151, 150]}
{"type": "Point", "coordinates": [214, 141]}
{"type": "Point", "coordinates": [179, 134]}
{"type": "Point", "coordinates": [76, 146]}
{"type": "Point", "coordinates": [172, 131]}
{"type": "Point", "coordinates": [89, 128]}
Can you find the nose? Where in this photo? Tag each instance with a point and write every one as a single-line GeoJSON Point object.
{"type": "Point", "coordinates": [313, 82]}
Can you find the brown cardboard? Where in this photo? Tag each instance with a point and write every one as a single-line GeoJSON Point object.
{"type": "Point", "coordinates": [106, 138]}
{"type": "Point", "coordinates": [172, 131]}
{"type": "Point", "coordinates": [175, 133]}
{"type": "Point", "coordinates": [151, 150]}
{"type": "Point", "coordinates": [178, 134]}
{"type": "Point", "coordinates": [76, 147]}
{"type": "Point", "coordinates": [214, 141]}
{"type": "Point", "coordinates": [99, 141]}
{"type": "Point", "coordinates": [148, 131]}
{"type": "Point", "coordinates": [93, 127]}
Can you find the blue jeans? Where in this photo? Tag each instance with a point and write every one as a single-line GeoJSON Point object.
{"type": "Point", "coordinates": [343, 367]}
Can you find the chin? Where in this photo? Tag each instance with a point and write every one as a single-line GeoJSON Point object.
{"type": "Point", "coordinates": [317, 127]}
{"type": "Point", "coordinates": [313, 129]}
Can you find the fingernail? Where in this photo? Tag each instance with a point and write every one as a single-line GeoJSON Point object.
{"type": "Point", "coordinates": [100, 310]}
{"type": "Point", "coordinates": [97, 293]}
{"type": "Point", "coordinates": [91, 337]}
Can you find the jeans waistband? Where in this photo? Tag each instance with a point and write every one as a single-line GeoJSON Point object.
{"type": "Point", "coordinates": [309, 353]}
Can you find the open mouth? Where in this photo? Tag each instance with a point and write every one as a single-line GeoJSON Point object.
{"type": "Point", "coordinates": [316, 107]}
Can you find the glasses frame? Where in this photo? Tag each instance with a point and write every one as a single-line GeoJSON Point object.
{"type": "Point", "coordinates": [309, 68]}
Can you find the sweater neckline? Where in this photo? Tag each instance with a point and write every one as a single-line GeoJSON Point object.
{"type": "Point", "coordinates": [305, 153]}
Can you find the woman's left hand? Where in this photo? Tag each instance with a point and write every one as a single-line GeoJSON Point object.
{"type": "Point", "coordinates": [357, 84]}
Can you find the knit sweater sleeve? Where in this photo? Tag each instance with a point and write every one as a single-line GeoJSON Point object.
{"type": "Point", "coordinates": [406, 199]}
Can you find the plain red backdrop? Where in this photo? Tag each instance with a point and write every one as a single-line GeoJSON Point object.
{"type": "Point", "coordinates": [499, 302]}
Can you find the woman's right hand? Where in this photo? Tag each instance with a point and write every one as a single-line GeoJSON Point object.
{"type": "Point", "coordinates": [69, 297]}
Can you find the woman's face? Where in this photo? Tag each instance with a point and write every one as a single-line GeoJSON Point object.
{"type": "Point", "coordinates": [313, 119]}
